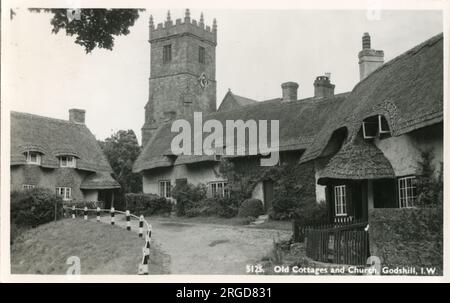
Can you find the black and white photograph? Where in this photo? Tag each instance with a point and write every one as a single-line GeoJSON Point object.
{"type": "Point", "coordinates": [297, 141]}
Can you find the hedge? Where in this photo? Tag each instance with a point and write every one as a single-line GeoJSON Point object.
{"type": "Point", "coordinates": [147, 204]}
{"type": "Point", "coordinates": [407, 237]}
{"type": "Point", "coordinates": [30, 208]}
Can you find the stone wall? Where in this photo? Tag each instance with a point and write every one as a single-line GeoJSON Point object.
{"type": "Point", "coordinates": [407, 237]}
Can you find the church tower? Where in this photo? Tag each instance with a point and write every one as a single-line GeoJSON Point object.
{"type": "Point", "coordinates": [182, 72]}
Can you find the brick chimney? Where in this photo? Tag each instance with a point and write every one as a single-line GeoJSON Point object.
{"type": "Point", "coordinates": [369, 59]}
{"type": "Point", "coordinates": [323, 87]}
{"type": "Point", "coordinates": [77, 115]}
{"type": "Point", "coordinates": [289, 90]}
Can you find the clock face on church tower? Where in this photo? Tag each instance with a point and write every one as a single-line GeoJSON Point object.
{"type": "Point", "coordinates": [203, 81]}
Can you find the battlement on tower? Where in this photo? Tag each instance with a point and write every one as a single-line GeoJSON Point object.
{"type": "Point", "coordinates": [183, 27]}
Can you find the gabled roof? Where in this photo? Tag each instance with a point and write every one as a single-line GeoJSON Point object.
{"type": "Point", "coordinates": [407, 91]}
{"type": "Point", "coordinates": [299, 121]}
{"type": "Point", "coordinates": [232, 101]}
{"type": "Point", "coordinates": [54, 137]}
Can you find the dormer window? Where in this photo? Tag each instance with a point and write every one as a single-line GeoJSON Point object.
{"type": "Point", "coordinates": [375, 126]}
{"type": "Point", "coordinates": [67, 161]}
{"type": "Point", "coordinates": [33, 158]}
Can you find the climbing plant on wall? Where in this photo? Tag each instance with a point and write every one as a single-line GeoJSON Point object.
{"type": "Point", "coordinates": [294, 184]}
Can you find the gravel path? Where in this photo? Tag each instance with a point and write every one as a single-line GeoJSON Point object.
{"type": "Point", "coordinates": [200, 248]}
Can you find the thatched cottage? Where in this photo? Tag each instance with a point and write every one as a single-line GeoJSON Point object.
{"type": "Point", "coordinates": [356, 150]}
{"type": "Point", "coordinates": [373, 143]}
{"type": "Point", "coordinates": [61, 155]}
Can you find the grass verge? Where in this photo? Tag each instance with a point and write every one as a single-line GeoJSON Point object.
{"type": "Point", "coordinates": [102, 249]}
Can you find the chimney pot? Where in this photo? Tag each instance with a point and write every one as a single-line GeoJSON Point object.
{"type": "Point", "coordinates": [369, 59]}
{"type": "Point", "coordinates": [77, 115]}
{"type": "Point", "coordinates": [323, 88]}
{"type": "Point", "coordinates": [366, 41]}
{"type": "Point", "coordinates": [289, 90]}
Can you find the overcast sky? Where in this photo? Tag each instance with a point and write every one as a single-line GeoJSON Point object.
{"type": "Point", "coordinates": [257, 50]}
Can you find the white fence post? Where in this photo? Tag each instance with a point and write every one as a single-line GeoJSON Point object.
{"type": "Point", "coordinates": [73, 212]}
{"type": "Point", "coordinates": [112, 215]}
{"type": "Point", "coordinates": [127, 213]}
{"type": "Point", "coordinates": [85, 213]}
{"type": "Point", "coordinates": [98, 214]}
{"type": "Point", "coordinates": [141, 225]}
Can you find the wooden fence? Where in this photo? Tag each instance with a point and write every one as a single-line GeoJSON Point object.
{"type": "Point", "coordinates": [343, 243]}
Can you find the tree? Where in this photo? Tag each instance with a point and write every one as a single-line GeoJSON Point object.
{"type": "Point", "coordinates": [122, 149]}
{"type": "Point", "coordinates": [93, 27]}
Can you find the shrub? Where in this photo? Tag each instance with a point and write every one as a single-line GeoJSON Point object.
{"type": "Point", "coordinates": [282, 208]}
{"type": "Point", "coordinates": [30, 208]}
{"type": "Point", "coordinates": [312, 213]}
{"type": "Point", "coordinates": [188, 196]}
{"type": "Point", "coordinates": [251, 208]}
{"type": "Point", "coordinates": [147, 204]}
{"type": "Point", "coordinates": [227, 207]}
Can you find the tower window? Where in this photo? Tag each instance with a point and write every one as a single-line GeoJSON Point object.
{"type": "Point", "coordinates": [167, 53]}
{"type": "Point", "coordinates": [201, 54]}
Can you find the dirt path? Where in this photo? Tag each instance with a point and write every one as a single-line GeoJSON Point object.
{"type": "Point", "coordinates": [200, 248]}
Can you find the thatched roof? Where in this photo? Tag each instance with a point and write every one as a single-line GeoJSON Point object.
{"type": "Point", "coordinates": [232, 101]}
{"type": "Point", "coordinates": [357, 160]}
{"type": "Point", "coordinates": [299, 122]}
{"type": "Point", "coordinates": [407, 91]}
{"type": "Point", "coordinates": [99, 180]}
{"type": "Point", "coordinates": [53, 138]}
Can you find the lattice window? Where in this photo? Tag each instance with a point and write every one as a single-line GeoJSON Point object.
{"type": "Point", "coordinates": [340, 200]}
{"type": "Point", "coordinates": [164, 188]}
{"type": "Point", "coordinates": [64, 192]}
{"type": "Point", "coordinates": [407, 191]}
{"type": "Point", "coordinates": [219, 189]}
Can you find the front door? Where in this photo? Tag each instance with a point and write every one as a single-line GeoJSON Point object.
{"type": "Point", "coordinates": [268, 194]}
{"type": "Point", "coordinates": [384, 194]}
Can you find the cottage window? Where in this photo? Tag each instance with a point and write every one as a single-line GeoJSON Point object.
{"type": "Point", "coordinates": [219, 189]}
{"type": "Point", "coordinates": [164, 188]}
{"type": "Point", "coordinates": [64, 192]}
{"type": "Point", "coordinates": [67, 161]}
{"type": "Point", "coordinates": [407, 191]}
{"type": "Point", "coordinates": [383, 125]}
{"type": "Point", "coordinates": [167, 53]}
{"type": "Point", "coordinates": [340, 200]}
{"type": "Point", "coordinates": [201, 54]}
{"type": "Point", "coordinates": [375, 126]}
{"type": "Point", "coordinates": [28, 186]}
{"type": "Point", "coordinates": [33, 158]}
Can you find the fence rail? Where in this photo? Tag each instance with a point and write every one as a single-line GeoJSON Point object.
{"type": "Point", "coordinates": [337, 246]}
{"type": "Point", "coordinates": [341, 242]}
{"type": "Point", "coordinates": [143, 266]}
